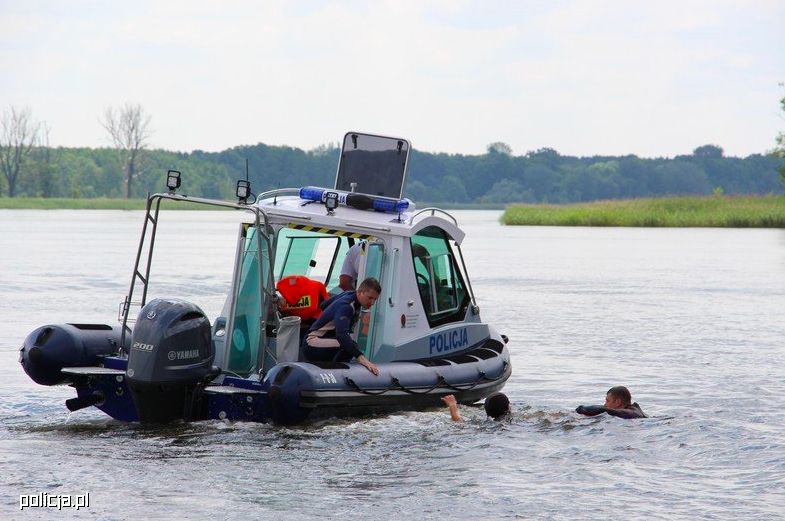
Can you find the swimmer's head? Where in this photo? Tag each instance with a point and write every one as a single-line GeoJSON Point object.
{"type": "Point", "coordinates": [497, 405]}
{"type": "Point", "coordinates": [618, 397]}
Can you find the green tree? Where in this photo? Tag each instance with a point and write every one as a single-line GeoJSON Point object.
{"type": "Point", "coordinates": [507, 191]}
{"type": "Point", "coordinates": [499, 147]}
{"type": "Point", "coordinates": [708, 151]}
{"type": "Point", "coordinates": [452, 190]}
{"type": "Point", "coordinates": [541, 180]}
{"type": "Point", "coordinates": [681, 178]}
{"type": "Point", "coordinates": [540, 176]}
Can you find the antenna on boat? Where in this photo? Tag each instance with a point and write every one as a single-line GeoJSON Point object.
{"type": "Point", "coordinates": [275, 197]}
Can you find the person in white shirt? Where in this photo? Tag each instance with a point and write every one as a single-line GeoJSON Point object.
{"type": "Point", "coordinates": [351, 267]}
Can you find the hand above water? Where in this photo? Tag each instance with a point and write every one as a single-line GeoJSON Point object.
{"type": "Point", "coordinates": [449, 400]}
{"type": "Point", "coordinates": [452, 403]}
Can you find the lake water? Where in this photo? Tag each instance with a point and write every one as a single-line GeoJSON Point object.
{"type": "Point", "coordinates": [691, 320]}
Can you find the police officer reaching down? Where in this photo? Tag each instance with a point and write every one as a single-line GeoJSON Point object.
{"type": "Point", "coordinates": [329, 338]}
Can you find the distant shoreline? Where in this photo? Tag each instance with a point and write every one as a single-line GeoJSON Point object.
{"type": "Point", "coordinates": [105, 203]}
{"type": "Point", "coordinates": [671, 212]}
{"type": "Point", "coordinates": [40, 203]}
{"type": "Point", "coordinates": [98, 203]}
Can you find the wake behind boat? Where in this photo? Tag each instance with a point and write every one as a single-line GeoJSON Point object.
{"type": "Point", "coordinates": [171, 363]}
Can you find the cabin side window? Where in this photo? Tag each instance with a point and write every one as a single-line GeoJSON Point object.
{"type": "Point", "coordinates": [439, 281]}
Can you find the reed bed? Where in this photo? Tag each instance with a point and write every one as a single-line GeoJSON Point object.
{"type": "Point", "coordinates": [705, 212]}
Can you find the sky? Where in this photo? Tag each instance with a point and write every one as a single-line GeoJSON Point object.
{"type": "Point", "coordinates": [591, 77]}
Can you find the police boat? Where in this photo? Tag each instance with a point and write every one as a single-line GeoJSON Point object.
{"type": "Point", "coordinates": [165, 361]}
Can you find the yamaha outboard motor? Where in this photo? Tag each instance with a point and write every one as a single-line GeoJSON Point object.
{"type": "Point", "coordinates": [170, 358]}
{"type": "Point", "coordinates": [48, 349]}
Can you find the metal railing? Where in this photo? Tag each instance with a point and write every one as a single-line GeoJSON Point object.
{"type": "Point", "coordinates": [141, 275]}
{"type": "Point", "coordinates": [433, 211]}
{"type": "Point", "coordinates": [277, 191]}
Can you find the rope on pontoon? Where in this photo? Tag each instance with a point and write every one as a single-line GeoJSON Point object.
{"type": "Point", "coordinates": [441, 382]}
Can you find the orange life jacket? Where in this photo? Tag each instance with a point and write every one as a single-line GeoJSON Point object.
{"type": "Point", "coordinates": [302, 296]}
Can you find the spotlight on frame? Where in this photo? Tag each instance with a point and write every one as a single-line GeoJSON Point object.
{"type": "Point", "coordinates": [243, 191]}
{"type": "Point", "coordinates": [173, 180]}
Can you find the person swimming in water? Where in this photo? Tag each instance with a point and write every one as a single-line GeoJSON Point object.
{"type": "Point", "coordinates": [497, 406]}
{"type": "Point", "coordinates": [618, 402]}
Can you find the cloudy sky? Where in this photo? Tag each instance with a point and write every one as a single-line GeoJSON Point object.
{"type": "Point", "coordinates": [582, 77]}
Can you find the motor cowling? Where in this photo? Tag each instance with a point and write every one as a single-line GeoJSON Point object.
{"type": "Point", "coordinates": [170, 355]}
{"type": "Point", "coordinates": [48, 349]}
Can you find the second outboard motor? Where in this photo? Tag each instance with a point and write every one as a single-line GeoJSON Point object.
{"type": "Point", "coordinates": [171, 354]}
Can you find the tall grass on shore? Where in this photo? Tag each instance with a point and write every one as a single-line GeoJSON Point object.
{"type": "Point", "coordinates": [712, 211]}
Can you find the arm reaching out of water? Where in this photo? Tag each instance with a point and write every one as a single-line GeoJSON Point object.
{"type": "Point", "coordinates": [497, 406]}
{"type": "Point", "coordinates": [590, 410]}
{"type": "Point", "coordinates": [618, 402]}
{"type": "Point", "coordinates": [449, 400]}
{"type": "Point", "coordinates": [629, 412]}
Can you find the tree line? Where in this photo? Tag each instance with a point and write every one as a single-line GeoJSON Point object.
{"type": "Point", "coordinates": [129, 169]}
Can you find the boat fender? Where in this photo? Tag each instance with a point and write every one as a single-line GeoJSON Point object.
{"type": "Point", "coordinates": [48, 349]}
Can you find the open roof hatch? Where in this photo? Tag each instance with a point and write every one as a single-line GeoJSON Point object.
{"type": "Point", "coordinates": [373, 165]}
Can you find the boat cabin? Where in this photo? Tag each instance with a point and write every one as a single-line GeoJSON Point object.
{"type": "Point", "coordinates": [293, 260]}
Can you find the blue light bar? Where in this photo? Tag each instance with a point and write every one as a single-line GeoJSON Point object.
{"type": "Point", "coordinates": [354, 200]}
{"type": "Point", "coordinates": [309, 193]}
{"type": "Point", "coordinates": [390, 205]}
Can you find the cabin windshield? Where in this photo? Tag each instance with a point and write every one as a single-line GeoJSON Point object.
{"type": "Point", "coordinates": [318, 256]}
